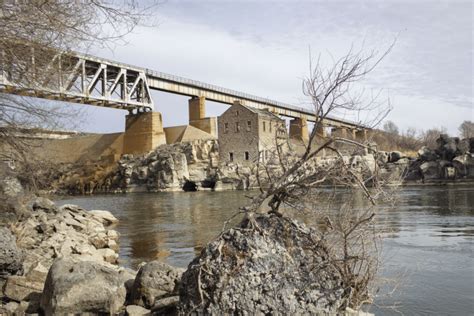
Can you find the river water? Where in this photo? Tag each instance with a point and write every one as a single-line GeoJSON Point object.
{"type": "Point", "coordinates": [428, 252]}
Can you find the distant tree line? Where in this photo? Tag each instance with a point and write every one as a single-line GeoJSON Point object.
{"type": "Point", "coordinates": [413, 139]}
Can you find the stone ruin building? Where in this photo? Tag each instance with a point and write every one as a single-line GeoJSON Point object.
{"type": "Point", "coordinates": [247, 134]}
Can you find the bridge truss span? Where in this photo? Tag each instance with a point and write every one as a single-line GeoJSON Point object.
{"type": "Point", "coordinates": [75, 78]}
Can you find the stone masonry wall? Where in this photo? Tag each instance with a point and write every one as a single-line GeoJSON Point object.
{"type": "Point", "coordinates": [238, 142]}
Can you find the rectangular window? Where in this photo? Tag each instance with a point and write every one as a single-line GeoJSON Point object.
{"type": "Point", "coordinates": [226, 127]}
{"type": "Point", "coordinates": [270, 126]}
{"type": "Point", "coordinates": [247, 155]}
{"type": "Point", "coordinates": [237, 127]}
{"type": "Point", "coordinates": [237, 113]}
{"type": "Point", "coordinates": [231, 157]}
{"type": "Point", "coordinates": [264, 126]}
{"type": "Point", "coordinates": [249, 126]}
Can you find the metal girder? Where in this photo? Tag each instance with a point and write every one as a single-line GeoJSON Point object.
{"type": "Point", "coordinates": [183, 86]}
{"type": "Point", "coordinates": [87, 79]}
{"type": "Point", "coordinates": [75, 78]}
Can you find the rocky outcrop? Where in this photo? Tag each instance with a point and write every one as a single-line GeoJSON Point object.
{"type": "Point", "coordinates": [168, 168]}
{"type": "Point", "coordinates": [246, 271]}
{"type": "Point", "coordinates": [154, 282]}
{"type": "Point", "coordinates": [82, 287]}
{"type": "Point", "coordinates": [67, 231]}
{"type": "Point", "coordinates": [453, 159]}
{"type": "Point", "coordinates": [52, 232]}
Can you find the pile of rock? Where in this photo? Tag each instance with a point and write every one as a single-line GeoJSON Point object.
{"type": "Point", "coordinates": [51, 232]}
{"type": "Point", "coordinates": [62, 260]}
{"type": "Point", "coordinates": [452, 159]}
{"type": "Point", "coordinates": [271, 265]}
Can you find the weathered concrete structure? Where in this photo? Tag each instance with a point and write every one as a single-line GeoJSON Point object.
{"type": "Point", "coordinates": [185, 133]}
{"type": "Point", "coordinates": [86, 79]}
{"type": "Point", "coordinates": [143, 132]}
{"type": "Point", "coordinates": [247, 134]}
{"type": "Point", "coordinates": [339, 132]}
{"type": "Point", "coordinates": [197, 116]}
{"type": "Point", "coordinates": [299, 129]}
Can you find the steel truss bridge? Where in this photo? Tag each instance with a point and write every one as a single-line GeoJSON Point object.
{"type": "Point", "coordinates": [80, 78]}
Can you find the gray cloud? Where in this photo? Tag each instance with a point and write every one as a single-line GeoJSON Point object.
{"type": "Point", "coordinates": [261, 47]}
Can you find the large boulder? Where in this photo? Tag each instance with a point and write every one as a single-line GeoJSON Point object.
{"type": "Point", "coordinates": [263, 267]}
{"type": "Point", "coordinates": [464, 165]}
{"type": "Point", "coordinates": [82, 287]}
{"type": "Point", "coordinates": [394, 156]}
{"type": "Point", "coordinates": [11, 258]}
{"type": "Point", "coordinates": [430, 170]}
{"type": "Point", "coordinates": [155, 280]}
{"type": "Point", "coordinates": [426, 154]}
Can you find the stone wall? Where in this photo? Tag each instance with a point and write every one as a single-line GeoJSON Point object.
{"type": "Point", "coordinates": [238, 142]}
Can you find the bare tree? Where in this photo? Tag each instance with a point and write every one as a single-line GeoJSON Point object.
{"type": "Point", "coordinates": [390, 127]}
{"type": "Point", "coordinates": [36, 32]}
{"type": "Point", "coordinates": [291, 184]}
{"type": "Point", "coordinates": [466, 129]}
{"type": "Point", "coordinates": [428, 138]}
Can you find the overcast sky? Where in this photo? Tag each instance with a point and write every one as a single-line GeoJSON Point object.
{"type": "Point", "coordinates": [262, 48]}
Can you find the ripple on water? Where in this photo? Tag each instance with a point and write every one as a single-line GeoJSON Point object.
{"type": "Point", "coordinates": [430, 244]}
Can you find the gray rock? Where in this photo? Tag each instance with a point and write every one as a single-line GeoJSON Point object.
{"type": "Point", "coordinates": [426, 154]}
{"type": "Point", "coordinates": [10, 308]}
{"type": "Point", "coordinates": [154, 280]}
{"type": "Point", "coordinates": [166, 306]}
{"type": "Point", "coordinates": [394, 156]}
{"type": "Point", "coordinates": [11, 258]}
{"type": "Point", "coordinates": [10, 186]}
{"type": "Point", "coordinates": [21, 288]}
{"type": "Point", "coordinates": [464, 165]}
{"type": "Point", "coordinates": [105, 217]}
{"type": "Point", "coordinates": [135, 310]}
{"type": "Point", "coordinates": [430, 170]}
{"type": "Point", "coordinates": [246, 272]}
{"type": "Point", "coordinates": [44, 204]}
{"type": "Point", "coordinates": [83, 287]}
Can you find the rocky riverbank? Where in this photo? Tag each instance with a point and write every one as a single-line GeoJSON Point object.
{"type": "Point", "coordinates": [64, 260]}
{"type": "Point", "coordinates": [451, 162]}
{"type": "Point", "coordinates": [196, 165]}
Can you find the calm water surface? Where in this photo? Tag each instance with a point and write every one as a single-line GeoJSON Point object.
{"type": "Point", "coordinates": [428, 253]}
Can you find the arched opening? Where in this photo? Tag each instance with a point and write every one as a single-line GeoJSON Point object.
{"type": "Point", "coordinates": [208, 184]}
{"type": "Point", "coordinates": [189, 186]}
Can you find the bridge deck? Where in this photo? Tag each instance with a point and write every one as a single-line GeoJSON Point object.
{"type": "Point", "coordinates": [97, 81]}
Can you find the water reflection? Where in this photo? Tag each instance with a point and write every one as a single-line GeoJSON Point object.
{"type": "Point", "coordinates": [430, 234]}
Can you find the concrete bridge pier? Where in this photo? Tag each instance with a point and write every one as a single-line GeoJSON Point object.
{"type": "Point", "coordinates": [143, 132]}
{"type": "Point", "coordinates": [299, 129]}
{"type": "Point", "coordinates": [361, 135]}
{"type": "Point", "coordinates": [339, 132]}
{"type": "Point", "coordinates": [321, 131]}
{"type": "Point", "coordinates": [197, 116]}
